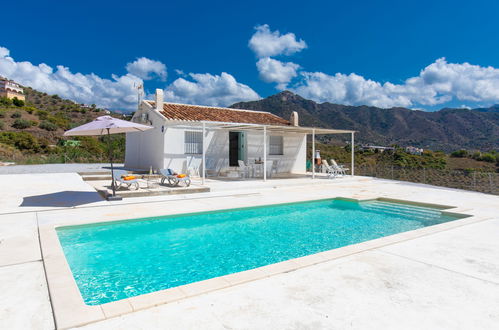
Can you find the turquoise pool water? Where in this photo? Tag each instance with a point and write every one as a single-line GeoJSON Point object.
{"type": "Point", "coordinates": [113, 261]}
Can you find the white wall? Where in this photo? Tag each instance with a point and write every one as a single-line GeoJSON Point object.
{"type": "Point", "coordinates": [145, 149]}
{"type": "Point", "coordinates": [217, 152]}
{"type": "Point", "coordinates": [293, 159]}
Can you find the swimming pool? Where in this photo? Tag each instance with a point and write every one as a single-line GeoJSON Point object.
{"type": "Point", "coordinates": [116, 260]}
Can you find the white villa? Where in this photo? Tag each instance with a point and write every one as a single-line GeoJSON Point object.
{"type": "Point", "coordinates": [215, 141]}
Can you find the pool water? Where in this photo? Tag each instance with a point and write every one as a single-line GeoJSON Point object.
{"type": "Point", "coordinates": [114, 261]}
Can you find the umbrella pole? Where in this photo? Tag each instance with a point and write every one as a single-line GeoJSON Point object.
{"type": "Point", "coordinates": [111, 161]}
{"type": "Point", "coordinates": [113, 186]}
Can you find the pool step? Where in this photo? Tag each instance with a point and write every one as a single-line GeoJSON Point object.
{"type": "Point", "coordinates": [403, 214]}
{"type": "Point", "coordinates": [408, 208]}
{"type": "Point", "coordinates": [402, 210]}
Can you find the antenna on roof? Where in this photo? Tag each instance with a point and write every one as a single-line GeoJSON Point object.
{"type": "Point", "coordinates": [140, 92]}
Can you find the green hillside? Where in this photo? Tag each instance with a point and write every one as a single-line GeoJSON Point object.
{"type": "Point", "coordinates": [31, 131]}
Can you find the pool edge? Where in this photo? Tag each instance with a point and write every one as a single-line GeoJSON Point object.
{"type": "Point", "coordinates": [70, 310]}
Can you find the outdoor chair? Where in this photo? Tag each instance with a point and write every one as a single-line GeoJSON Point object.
{"type": "Point", "coordinates": [275, 166]}
{"type": "Point", "coordinates": [270, 167]}
{"type": "Point", "coordinates": [172, 178]}
{"type": "Point", "coordinates": [340, 168]}
{"type": "Point", "coordinates": [214, 167]}
{"type": "Point", "coordinates": [331, 170]}
{"type": "Point", "coordinates": [120, 181]}
{"type": "Point", "coordinates": [244, 169]}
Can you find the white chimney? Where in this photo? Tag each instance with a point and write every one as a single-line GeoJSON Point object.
{"type": "Point", "coordinates": [294, 118]}
{"type": "Point", "coordinates": [159, 99]}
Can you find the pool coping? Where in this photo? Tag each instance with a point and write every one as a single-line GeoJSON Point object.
{"type": "Point", "coordinates": [71, 311]}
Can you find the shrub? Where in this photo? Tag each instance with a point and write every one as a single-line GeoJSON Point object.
{"type": "Point", "coordinates": [488, 158]}
{"type": "Point", "coordinates": [5, 101]}
{"type": "Point", "coordinates": [48, 126]}
{"type": "Point", "coordinates": [2, 114]}
{"type": "Point", "coordinates": [30, 110]}
{"type": "Point", "coordinates": [9, 153]}
{"type": "Point", "coordinates": [459, 153]}
{"type": "Point", "coordinates": [476, 155]}
{"type": "Point", "coordinates": [21, 123]}
{"type": "Point", "coordinates": [2, 124]}
{"type": "Point", "coordinates": [20, 140]}
{"type": "Point", "coordinates": [16, 114]}
{"type": "Point", "coordinates": [17, 102]}
{"type": "Point", "coordinates": [60, 120]}
{"type": "Point", "coordinates": [42, 114]}
{"type": "Point", "coordinates": [91, 144]}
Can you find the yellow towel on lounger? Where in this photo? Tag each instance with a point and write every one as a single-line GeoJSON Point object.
{"type": "Point", "coordinates": [180, 176]}
{"type": "Point", "coordinates": [129, 177]}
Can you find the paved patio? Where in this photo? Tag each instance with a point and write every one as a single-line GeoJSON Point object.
{"type": "Point", "coordinates": [446, 280]}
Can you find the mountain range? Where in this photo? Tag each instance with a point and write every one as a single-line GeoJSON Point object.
{"type": "Point", "coordinates": [446, 129]}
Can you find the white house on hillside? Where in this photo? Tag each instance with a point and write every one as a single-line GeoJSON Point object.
{"type": "Point", "coordinates": [186, 137]}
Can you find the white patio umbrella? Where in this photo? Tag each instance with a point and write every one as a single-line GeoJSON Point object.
{"type": "Point", "coordinates": [107, 125]}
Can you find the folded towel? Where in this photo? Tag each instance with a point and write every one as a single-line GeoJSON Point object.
{"type": "Point", "coordinates": [129, 177]}
{"type": "Point", "coordinates": [180, 176]}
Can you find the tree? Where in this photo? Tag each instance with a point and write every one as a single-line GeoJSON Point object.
{"type": "Point", "coordinates": [17, 102]}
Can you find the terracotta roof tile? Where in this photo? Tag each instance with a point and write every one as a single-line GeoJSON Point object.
{"type": "Point", "coordinates": [176, 111]}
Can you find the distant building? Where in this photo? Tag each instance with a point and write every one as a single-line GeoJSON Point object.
{"type": "Point", "coordinates": [413, 150]}
{"type": "Point", "coordinates": [11, 89]}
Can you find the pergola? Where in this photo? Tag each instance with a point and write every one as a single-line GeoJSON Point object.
{"type": "Point", "coordinates": [265, 129]}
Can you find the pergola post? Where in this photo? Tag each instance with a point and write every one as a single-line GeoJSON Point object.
{"type": "Point", "coordinates": [203, 161]}
{"type": "Point", "coordinates": [313, 153]}
{"type": "Point", "coordinates": [264, 153]}
{"type": "Point", "coordinates": [353, 154]}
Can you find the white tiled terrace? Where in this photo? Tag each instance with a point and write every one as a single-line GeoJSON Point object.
{"type": "Point", "coordinates": [446, 280]}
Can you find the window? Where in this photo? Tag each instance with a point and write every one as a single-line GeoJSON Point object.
{"type": "Point", "coordinates": [275, 145]}
{"type": "Point", "coordinates": [193, 142]}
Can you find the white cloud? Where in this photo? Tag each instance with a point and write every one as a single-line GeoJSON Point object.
{"type": "Point", "coordinates": [276, 71]}
{"type": "Point", "coordinates": [180, 72]}
{"type": "Point", "coordinates": [146, 68]}
{"type": "Point", "coordinates": [119, 93]}
{"type": "Point", "coordinates": [115, 93]}
{"type": "Point", "coordinates": [438, 83]}
{"type": "Point", "coordinates": [267, 43]}
{"type": "Point", "coordinates": [4, 52]}
{"type": "Point", "coordinates": [208, 89]}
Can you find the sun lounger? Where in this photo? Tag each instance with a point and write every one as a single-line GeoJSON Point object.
{"type": "Point", "coordinates": [173, 178]}
{"type": "Point", "coordinates": [340, 168]}
{"type": "Point", "coordinates": [119, 180]}
{"type": "Point", "coordinates": [331, 171]}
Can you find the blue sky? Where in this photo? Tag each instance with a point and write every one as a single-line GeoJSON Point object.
{"type": "Point", "coordinates": [315, 46]}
